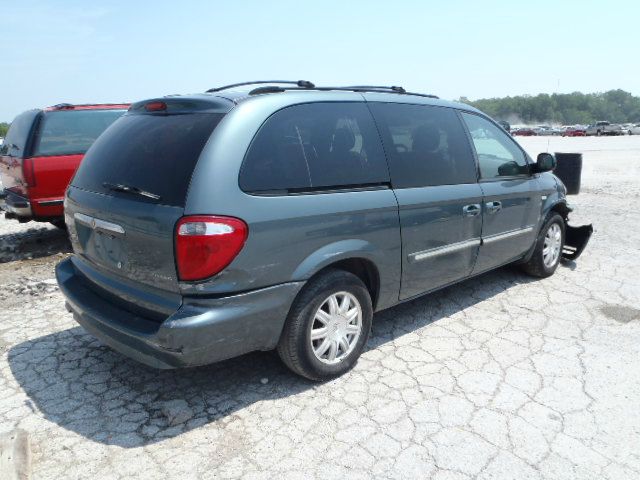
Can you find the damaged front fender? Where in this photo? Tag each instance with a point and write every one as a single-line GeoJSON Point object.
{"type": "Point", "coordinates": [576, 240]}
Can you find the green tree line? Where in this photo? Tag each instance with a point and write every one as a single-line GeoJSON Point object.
{"type": "Point", "coordinates": [616, 106]}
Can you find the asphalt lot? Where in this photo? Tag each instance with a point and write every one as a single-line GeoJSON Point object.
{"type": "Point", "coordinates": [499, 377]}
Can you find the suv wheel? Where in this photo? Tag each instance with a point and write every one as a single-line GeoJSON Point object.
{"type": "Point", "coordinates": [327, 327]}
{"type": "Point", "coordinates": [548, 248]}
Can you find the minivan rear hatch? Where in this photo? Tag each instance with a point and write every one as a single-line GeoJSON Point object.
{"type": "Point", "coordinates": [130, 190]}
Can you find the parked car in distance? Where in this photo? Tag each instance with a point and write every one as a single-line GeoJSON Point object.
{"type": "Point", "coordinates": [42, 151]}
{"type": "Point", "coordinates": [630, 128]}
{"type": "Point", "coordinates": [543, 130]}
{"type": "Point", "coordinates": [525, 132]}
{"type": "Point", "coordinates": [574, 131]}
{"type": "Point", "coordinates": [604, 128]}
{"type": "Point", "coordinates": [283, 215]}
{"type": "Point", "coordinates": [548, 130]}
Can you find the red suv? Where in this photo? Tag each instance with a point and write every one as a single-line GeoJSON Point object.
{"type": "Point", "coordinates": [42, 151]}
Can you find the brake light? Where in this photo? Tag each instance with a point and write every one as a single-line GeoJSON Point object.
{"type": "Point", "coordinates": [155, 106]}
{"type": "Point", "coordinates": [28, 172]}
{"type": "Point", "coordinates": [205, 245]}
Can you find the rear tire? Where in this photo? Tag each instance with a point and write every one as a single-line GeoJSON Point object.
{"type": "Point", "coordinates": [339, 334]}
{"type": "Point", "coordinates": [548, 248]}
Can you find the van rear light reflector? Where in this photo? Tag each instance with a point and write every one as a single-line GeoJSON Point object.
{"type": "Point", "coordinates": [28, 172]}
{"type": "Point", "coordinates": [206, 244]}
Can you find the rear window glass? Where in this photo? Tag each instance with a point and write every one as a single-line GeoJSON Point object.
{"type": "Point", "coordinates": [155, 153]}
{"type": "Point", "coordinates": [311, 146]}
{"type": "Point", "coordinates": [427, 145]}
{"type": "Point", "coordinates": [72, 131]}
{"type": "Point", "coordinates": [17, 139]}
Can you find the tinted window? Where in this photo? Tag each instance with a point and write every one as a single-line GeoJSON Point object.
{"type": "Point", "coordinates": [17, 139]}
{"type": "Point", "coordinates": [313, 146]}
{"type": "Point", "coordinates": [498, 154]}
{"type": "Point", "coordinates": [156, 153]}
{"type": "Point", "coordinates": [426, 145]}
{"type": "Point", "coordinates": [71, 131]}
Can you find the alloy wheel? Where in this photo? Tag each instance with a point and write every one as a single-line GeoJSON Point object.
{"type": "Point", "coordinates": [552, 245]}
{"type": "Point", "coordinates": [336, 328]}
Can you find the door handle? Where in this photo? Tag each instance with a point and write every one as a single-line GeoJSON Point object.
{"type": "Point", "coordinates": [493, 207]}
{"type": "Point", "coordinates": [471, 210]}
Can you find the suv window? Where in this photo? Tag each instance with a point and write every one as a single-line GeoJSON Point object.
{"type": "Point", "coordinates": [72, 131]}
{"type": "Point", "coordinates": [426, 145]}
{"type": "Point", "coordinates": [17, 139]}
{"type": "Point", "coordinates": [314, 146]}
{"type": "Point", "coordinates": [498, 154]}
{"type": "Point", "coordinates": [156, 153]}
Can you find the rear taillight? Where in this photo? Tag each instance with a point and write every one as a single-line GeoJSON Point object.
{"type": "Point", "coordinates": [28, 172]}
{"type": "Point", "coordinates": [205, 245]}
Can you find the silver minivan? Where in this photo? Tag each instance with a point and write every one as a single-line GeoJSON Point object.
{"type": "Point", "coordinates": [283, 215]}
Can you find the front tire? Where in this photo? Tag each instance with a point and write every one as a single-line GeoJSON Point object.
{"type": "Point", "coordinates": [327, 326]}
{"type": "Point", "coordinates": [548, 248]}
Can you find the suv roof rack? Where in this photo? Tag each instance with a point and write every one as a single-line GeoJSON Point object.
{"type": "Point", "coordinates": [276, 87]}
{"type": "Point", "coordinates": [394, 88]}
{"type": "Point", "coordinates": [298, 83]}
{"type": "Point", "coordinates": [357, 88]}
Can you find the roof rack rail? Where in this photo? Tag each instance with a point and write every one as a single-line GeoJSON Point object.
{"type": "Point", "coordinates": [394, 88]}
{"type": "Point", "coordinates": [298, 83]}
{"type": "Point", "coordinates": [271, 89]}
{"type": "Point", "coordinates": [399, 90]}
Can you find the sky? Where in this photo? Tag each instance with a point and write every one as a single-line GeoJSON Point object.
{"type": "Point", "coordinates": [112, 51]}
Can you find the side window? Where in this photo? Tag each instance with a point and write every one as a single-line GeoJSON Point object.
{"type": "Point", "coordinates": [312, 146]}
{"type": "Point", "coordinates": [498, 155]}
{"type": "Point", "coordinates": [426, 145]}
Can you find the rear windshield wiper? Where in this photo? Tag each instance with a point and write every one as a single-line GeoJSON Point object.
{"type": "Point", "coordinates": [120, 187]}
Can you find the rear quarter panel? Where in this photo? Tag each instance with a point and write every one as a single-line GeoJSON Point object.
{"type": "Point", "coordinates": [52, 174]}
{"type": "Point", "coordinates": [290, 237]}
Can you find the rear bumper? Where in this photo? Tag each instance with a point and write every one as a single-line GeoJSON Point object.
{"type": "Point", "coordinates": [201, 331]}
{"type": "Point", "coordinates": [14, 205]}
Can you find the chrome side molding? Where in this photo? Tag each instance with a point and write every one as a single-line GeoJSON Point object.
{"type": "Point", "coordinates": [453, 247]}
{"type": "Point", "coordinates": [511, 233]}
{"type": "Point", "coordinates": [472, 242]}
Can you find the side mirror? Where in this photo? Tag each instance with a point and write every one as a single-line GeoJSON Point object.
{"type": "Point", "coordinates": [544, 163]}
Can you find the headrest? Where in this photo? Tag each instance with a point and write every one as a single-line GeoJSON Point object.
{"type": "Point", "coordinates": [343, 140]}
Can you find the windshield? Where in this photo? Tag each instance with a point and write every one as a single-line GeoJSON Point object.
{"type": "Point", "coordinates": [151, 153]}
{"type": "Point", "coordinates": [72, 131]}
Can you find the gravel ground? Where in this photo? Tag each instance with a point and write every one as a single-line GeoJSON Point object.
{"type": "Point", "coordinates": [499, 377]}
